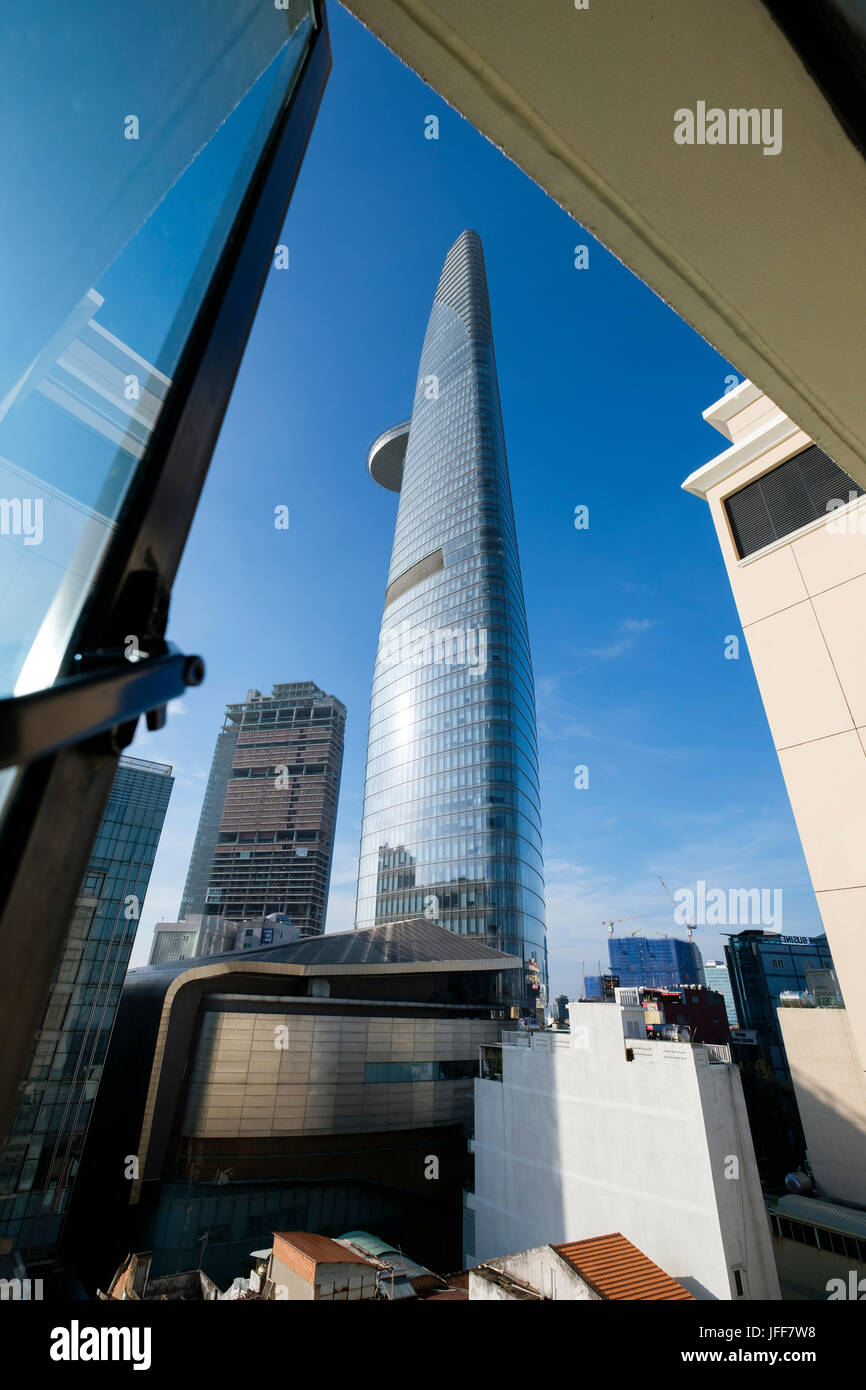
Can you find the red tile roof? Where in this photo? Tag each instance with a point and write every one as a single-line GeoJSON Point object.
{"type": "Point", "coordinates": [617, 1270]}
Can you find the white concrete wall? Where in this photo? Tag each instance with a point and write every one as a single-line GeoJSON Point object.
{"type": "Point", "coordinates": [580, 1143]}
{"type": "Point", "coordinates": [298, 1289]}
{"type": "Point", "coordinates": [542, 1269]}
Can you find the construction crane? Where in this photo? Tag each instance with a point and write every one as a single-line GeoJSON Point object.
{"type": "Point", "coordinates": [611, 922]}
{"type": "Point", "coordinates": [691, 928]}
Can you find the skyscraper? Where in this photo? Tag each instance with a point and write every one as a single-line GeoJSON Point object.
{"type": "Point", "coordinates": [763, 965]}
{"type": "Point", "coordinates": [40, 1157]}
{"type": "Point", "coordinates": [718, 977]}
{"type": "Point", "coordinates": [265, 836]}
{"type": "Point", "coordinates": [452, 822]}
{"type": "Point", "coordinates": [666, 963]}
{"type": "Point", "coordinates": [207, 835]}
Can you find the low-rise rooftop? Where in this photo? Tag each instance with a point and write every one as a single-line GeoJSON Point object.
{"type": "Point", "coordinates": [617, 1270]}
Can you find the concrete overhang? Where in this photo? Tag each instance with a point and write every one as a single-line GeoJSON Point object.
{"type": "Point", "coordinates": [761, 254]}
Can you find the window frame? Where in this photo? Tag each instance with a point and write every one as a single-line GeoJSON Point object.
{"type": "Point", "coordinates": [60, 789]}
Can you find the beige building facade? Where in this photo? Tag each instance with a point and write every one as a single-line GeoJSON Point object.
{"type": "Point", "coordinates": [801, 598]}
{"type": "Point", "coordinates": [830, 1084]}
{"type": "Point", "coordinates": [792, 531]}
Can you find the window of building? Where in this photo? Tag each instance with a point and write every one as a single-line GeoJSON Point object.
{"type": "Point", "coordinates": [796, 493]}
{"type": "Point", "coordinates": [396, 1072]}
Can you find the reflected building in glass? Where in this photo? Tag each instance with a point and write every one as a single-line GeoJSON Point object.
{"type": "Point", "coordinates": [452, 824]}
{"type": "Point", "coordinates": [40, 1154]}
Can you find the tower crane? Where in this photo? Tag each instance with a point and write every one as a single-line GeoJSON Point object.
{"type": "Point", "coordinates": [611, 922]}
{"type": "Point", "coordinates": [691, 928]}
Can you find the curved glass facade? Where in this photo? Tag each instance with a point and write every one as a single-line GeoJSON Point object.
{"type": "Point", "coordinates": [452, 821]}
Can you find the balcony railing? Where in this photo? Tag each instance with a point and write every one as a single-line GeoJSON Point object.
{"type": "Point", "coordinates": [540, 1042]}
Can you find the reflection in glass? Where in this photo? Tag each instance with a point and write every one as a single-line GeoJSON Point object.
{"type": "Point", "coordinates": [130, 143]}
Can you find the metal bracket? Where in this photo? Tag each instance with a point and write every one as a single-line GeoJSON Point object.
{"type": "Point", "coordinates": [106, 699]}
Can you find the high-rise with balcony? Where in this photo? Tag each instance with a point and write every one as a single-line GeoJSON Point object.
{"type": "Point", "coordinates": [452, 823]}
{"type": "Point", "coordinates": [265, 837]}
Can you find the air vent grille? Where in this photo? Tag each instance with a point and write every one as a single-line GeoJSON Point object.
{"type": "Point", "coordinates": [786, 499]}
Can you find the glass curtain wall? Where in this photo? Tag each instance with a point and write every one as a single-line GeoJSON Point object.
{"type": "Point", "coordinates": [452, 820]}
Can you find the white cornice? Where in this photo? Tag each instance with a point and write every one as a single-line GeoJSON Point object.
{"type": "Point", "coordinates": [772, 432]}
{"type": "Point", "coordinates": [730, 404]}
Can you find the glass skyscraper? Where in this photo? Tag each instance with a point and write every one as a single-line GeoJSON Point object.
{"type": "Point", "coordinates": [452, 822]}
{"type": "Point", "coordinates": [718, 977]}
{"type": "Point", "coordinates": [40, 1157]}
{"type": "Point", "coordinates": [665, 963]}
{"type": "Point", "coordinates": [763, 965]}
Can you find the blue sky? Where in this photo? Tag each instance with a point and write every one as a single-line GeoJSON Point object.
{"type": "Point", "coordinates": [602, 390]}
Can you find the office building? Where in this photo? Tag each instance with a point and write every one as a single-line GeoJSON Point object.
{"type": "Point", "coordinates": [791, 525]}
{"type": "Point", "coordinates": [198, 935]}
{"type": "Point", "coordinates": [213, 936]}
{"type": "Point", "coordinates": [194, 900]}
{"type": "Point", "coordinates": [265, 838]}
{"type": "Point", "coordinates": [605, 1130]}
{"type": "Point", "coordinates": [762, 966]}
{"type": "Point", "coordinates": [718, 977]}
{"type": "Point", "coordinates": [40, 1157]}
{"type": "Point", "coordinates": [665, 963]}
{"type": "Point", "coordinates": [600, 987]}
{"type": "Point", "coordinates": [324, 1086]}
{"type": "Point", "coordinates": [561, 1010]}
{"type": "Point", "coordinates": [451, 824]}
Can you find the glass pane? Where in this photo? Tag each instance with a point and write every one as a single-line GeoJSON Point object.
{"type": "Point", "coordinates": [129, 141]}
